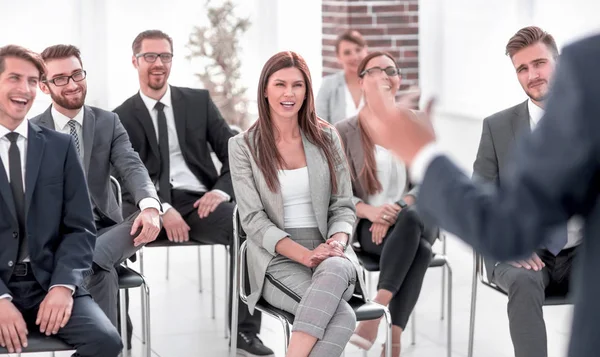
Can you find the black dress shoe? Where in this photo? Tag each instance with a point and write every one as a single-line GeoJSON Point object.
{"type": "Point", "coordinates": [249, 345]}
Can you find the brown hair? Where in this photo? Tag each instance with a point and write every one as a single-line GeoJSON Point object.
{"type": "Point", "coordinates": [368, 174]}
{"type": "Point", "coordinates": [22, 53]}
{"type": "Point", "coordinates": [264, 148]}
{"type": "Point", "coordinates": [350, 36]}
{"type": "Point", "coordinates": [60, 52]}
{"type": "Point", "coordinates": [136, 46]}
{"type": "Point", "coordinates": [528, 36]}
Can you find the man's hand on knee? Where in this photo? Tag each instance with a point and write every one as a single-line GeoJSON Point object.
{"type": "Point", "coordinates": [13, 330]}
{"type": "Point", "coordinates": [208, 203]}
{"type": "Point", "coordinates": [175, 226]}
{"type": "Point", "coordinates": [149, 222]}
{"type": "Point", "coordinates": [533, 263]}
{"type": "Point", "coordinates": [55, 310]}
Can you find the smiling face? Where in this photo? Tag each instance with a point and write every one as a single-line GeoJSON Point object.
{"type": "Point", "coordinates": [350, 55]}
{"type": "Point", "coordinates": [285, 93]}
{"type": "Point", "coordinates": [378, 78]}
{"type": "Point", "coordinates": [18, 88]}
{"type": "Point", "coordinates": [70, 96]}
{"type": "Point", "coordinates": [535, 66]}
{"type": "Point", "coordinates": [153, 76]}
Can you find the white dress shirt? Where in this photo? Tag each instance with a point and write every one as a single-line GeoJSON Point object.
{"type": "Point", "coordinates": [298, 210]}
{"type": "Point", "coordinates": [22, 130]}
{"type": "Point", "coordinates": [432, 150]}
{"type": "Point", "coordinates": [61, 123]}
{"type": "Point", "coordinates": [351, 109]}
{"type": "Point", "coordinates": [181, 177]}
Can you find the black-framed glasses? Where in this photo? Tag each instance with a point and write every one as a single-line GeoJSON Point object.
{"type": "Point", "coordinates": [61, 81]}
{"type": "Point", "coordinates": [151, 57]}
{"type": "Point", "coordinates": [390, 71]}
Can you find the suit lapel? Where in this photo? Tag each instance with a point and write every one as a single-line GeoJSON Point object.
{"type": "Point", "coordinates": [143, 116]}
{"type": "Point", "coordinates": [521, 121]}
{"type": "Point", "coordinates": [356, 152]}
{"type": "Point", "coordinates": [6, 192]}
{"type": "Point", "coordinates": [179, 111]}
{"type": "Point", "coordinates": [46, 119]}
{"type": "Point", "coordinates": [35, 149]}
{"type": "Point", "coordinates": [89, 128]}
{"type": "Point", "coordinates": [318, 182]}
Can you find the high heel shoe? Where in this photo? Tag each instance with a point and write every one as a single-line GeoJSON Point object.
{"type": "Point", "coordinates": [361, 342]}
{"type": "Point", "coordinates": [394, 346]}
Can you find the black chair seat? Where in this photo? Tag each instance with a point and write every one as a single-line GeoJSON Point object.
{"type": "Point", "coordinates": [371, 262]}
{"type": "Point", "coordinates": [363, 311]}
{"type": "Point", "coordinates": [37, 342]}
{"type": "Point", "coordinates": [168, 243]}
{"type": "Point", "coordinates": [129, 278]}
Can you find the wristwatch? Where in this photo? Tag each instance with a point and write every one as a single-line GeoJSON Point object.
{"type": "Point", "coordinates": [402, 203]}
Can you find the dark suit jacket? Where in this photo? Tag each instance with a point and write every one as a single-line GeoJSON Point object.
{"type": "Point", "coordinates": [60, 226]}
{"type": "Point", "coordinates": [198, 123]}
{"type": "Point", "coordinates": [496, 150]}
{"type": "Point", "coordinates": [557, 176]}
{"type": "Point", "coordinates": [106, 146]}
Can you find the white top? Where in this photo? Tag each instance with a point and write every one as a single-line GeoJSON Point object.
{"type": "Point", "coordinates": [391, 173]}
{"type": "Point", "coordinates": [181, 176]}
{"type": "Point", "coordinates": [351, 109]}
{"type": "Point", "coordinates": [298, 210]}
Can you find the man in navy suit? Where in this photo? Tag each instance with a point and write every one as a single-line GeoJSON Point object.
{"type": "Point", "coordinates": [47, 231]}
{"type": "Point", "coordinates": [556, 177]}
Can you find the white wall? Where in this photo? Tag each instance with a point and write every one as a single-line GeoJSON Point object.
{"type": "Point", "coordinates": [462, 61]}
{"type": "Point", "coordinates": [105, 29]}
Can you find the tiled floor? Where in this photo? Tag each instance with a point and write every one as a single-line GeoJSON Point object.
{"type": "Point", "coordinates": [182, 325]}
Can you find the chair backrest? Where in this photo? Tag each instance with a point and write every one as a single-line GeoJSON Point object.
{"type": "Point", "coordinates": [481, 273]}
{"type": "Point", "coordinates": [116, 186]}
{"type": "Point", "coordinates": [239, 253]}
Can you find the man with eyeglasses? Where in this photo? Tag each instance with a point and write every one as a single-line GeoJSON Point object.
{"type": "Point", "coordinates": [171, 128]}
{"type": "Point", "coordinates": [102, 145]}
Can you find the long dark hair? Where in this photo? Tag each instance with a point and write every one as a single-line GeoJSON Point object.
{"type": "Point", "coordinates": [264, 148]}
{"type": "Point", "coordinates": [368, 175]}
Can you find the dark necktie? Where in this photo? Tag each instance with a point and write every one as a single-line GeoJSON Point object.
{"type": "Point", "coordinates": [73, 132]}
{"type": "Point", "coordinates": [16, 185]}
{"type": "Point", "coordinates": [164, 184]}
{"type": "Point", "coordinates": [557, 239]}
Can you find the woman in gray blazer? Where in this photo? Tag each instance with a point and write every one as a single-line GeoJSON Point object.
{"type": "Point", "coordinates": [340, 96]}
{"type": "Point", "coordinates": [388, 227]}
{"type": "Point", "coordinates": [293, 190]}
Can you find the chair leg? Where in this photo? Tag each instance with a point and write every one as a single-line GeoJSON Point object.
{"type": "Point", "coordinates": [212, 282]}
{"type": "Point", "coordinates": [235, 301]}
{"type": "Point", "coordinates": [199, 270]}
{"type": "Point", "coordinates": [141, 253]}
{"type": "Point", "coordinates": [287, 334]}
{"type": "Point", "coordinates": [144, 302]}
{"type": "Point", "coordinates": [123, 303]}
{"type": "Point", "coordinates": [444, 268]}
{"type": "Point", "coordinates": [449, 309]}
{"type": "Point", "coordinates": [146, 331]}
{"type": "Point", "coordinates": [473, 308]}
{"type": "Point", "coordinates": [413, 328]}
{"type": "Point", "coordinates": [168, 255]}
{"type": "Point", "coordinates": [227, 265]}
{"type": "Point", "coordinates": [388, 337]}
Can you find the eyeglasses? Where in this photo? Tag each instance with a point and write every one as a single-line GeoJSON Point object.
{"type": "Point", "coordinates": [61, 81]}
{"type": "Point", "coordinates": [151, 57]}
{"type": "Point", "coordinates": [390, 71]}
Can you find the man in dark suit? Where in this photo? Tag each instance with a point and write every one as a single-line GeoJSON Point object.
{"type": "Point", "coordinates": [171, 128]}
{"type": "Point", "coordinates": [533, 53]}
{"type": "Point", "coordinates": [102, 144]}
{"type": "Point", "coordinates": [556, 177]}
{"type": "Point", "coordinates": [46, 225]}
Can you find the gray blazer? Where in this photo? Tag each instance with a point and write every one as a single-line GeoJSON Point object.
{"type": "Point", "coordinates": [106, 146]}
{"type": "Point", "coordinates": [350, 133]}
{"type": "Point", "coordinates": [261, 210]}
{"type": "Point", "coordinates": [331, 99]}
{"type": "Point", "coordinates": [495, 153]}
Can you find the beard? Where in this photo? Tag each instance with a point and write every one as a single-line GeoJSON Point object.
{"type": "Point", "coordinates": [157, 84]}
{"type": "Point", "coordinates": [70, 104]}
{"type": "Point", "coordinates": [540, 96]}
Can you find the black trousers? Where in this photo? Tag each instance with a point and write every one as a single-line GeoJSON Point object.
{"type": "Point", "coordinates": [404, 257]}
{"type": "Point", "coordinates": [217, 228]}
{"type": "Point", "coordinates": [88, 329]}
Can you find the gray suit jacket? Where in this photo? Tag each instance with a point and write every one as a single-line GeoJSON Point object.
{"type": "Point", "coordinates": [106, 146]}
{"type": "Point", "coordinates": [350, 133]}
{"type": "Point", "coordinates": [331, 99]}
{"type": "Point", "coordinates": [556, 176]}
{"type": "Point", "coordinates": [495, 154]}
{"type": "Point", "coordinates": [261, 210]}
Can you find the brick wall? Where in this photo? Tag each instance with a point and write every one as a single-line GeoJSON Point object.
{"type": "Point", "coordinates": [389, 25]}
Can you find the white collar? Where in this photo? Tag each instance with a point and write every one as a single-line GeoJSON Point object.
{"type": "Point", "coordinates": [150, 103]}
{"type": "Point", "coordinates": [61, 121]}
{"type": "Point", "coordinates": [22, 129]}
{"type": "Point", "coordinates": [535, 112]}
